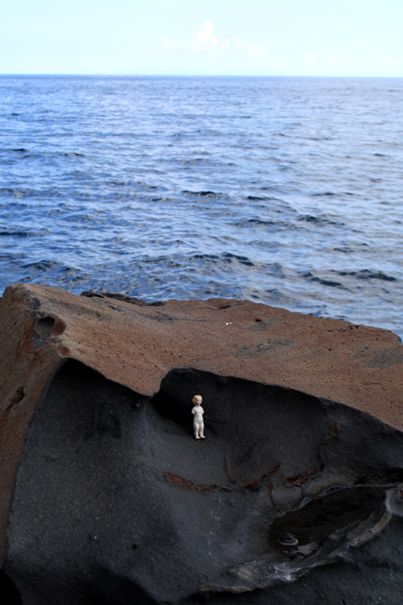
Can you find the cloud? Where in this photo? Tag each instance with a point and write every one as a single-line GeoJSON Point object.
{"type": "Point", "coordinates": [388, 61]}
{"type": "Point", "coordinates": [205, 41]}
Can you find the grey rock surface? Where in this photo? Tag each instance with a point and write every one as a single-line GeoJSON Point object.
{"type": "Point", "coordinates": [116, 502]}
{"type": "Point", "coordinates": [109, 500]}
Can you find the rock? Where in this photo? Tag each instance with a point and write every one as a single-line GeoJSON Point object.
{"type": "Point", "coordinates": [107, 499]}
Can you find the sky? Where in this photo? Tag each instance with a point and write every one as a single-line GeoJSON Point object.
{"type": "Point", "coordinates": [202, 37]}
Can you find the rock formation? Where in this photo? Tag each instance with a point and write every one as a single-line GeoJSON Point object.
{"type": "Point", "coordinates": [107, 499]}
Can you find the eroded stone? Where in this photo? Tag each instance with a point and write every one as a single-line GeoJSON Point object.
{"type": "Point", "coordinates": [110, 500]}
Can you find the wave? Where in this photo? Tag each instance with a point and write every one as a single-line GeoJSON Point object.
{"type": "Point", "coordinates": [320, 220]}
{"type": "Point", "coordinates": [201, 193]}
{"type": "Point", "coordinates": [364, 274]}
{"type": "Point", "coordinates": [322, 280]}
{"type": "Point", "coordinates": [44, 154]}
{"type": "Point", "coordinates": [323, 194]}
{"type": "Point", "coordinates": [367, 274]}
{"type": "Point", "coordinates": [16, 233]}
{"type": "Point", "coordinates": [269, 223]}
{"type": "Point", "coordinates": [257, 198]}
{"type": "Point", "coordinates": [42, 265]}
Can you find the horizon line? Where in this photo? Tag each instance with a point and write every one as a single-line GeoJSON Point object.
{"type": "Point", "coordinates": [190, 75]}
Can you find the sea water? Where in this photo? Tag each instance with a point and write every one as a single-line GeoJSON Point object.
{"type": "Point", "coordinates": [286, 191]}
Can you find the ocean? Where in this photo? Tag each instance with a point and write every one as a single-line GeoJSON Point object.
{"type": "Point", "coordinates": [284, 191]}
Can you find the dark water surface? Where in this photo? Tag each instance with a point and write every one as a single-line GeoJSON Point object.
{"type": "Point", "coordinates": [287, 191]}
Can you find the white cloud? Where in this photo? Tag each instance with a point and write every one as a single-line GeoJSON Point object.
{"type": "Point", "coordinates": [205, 41]}
{"type": "Point", "coordinates": [388, 61]}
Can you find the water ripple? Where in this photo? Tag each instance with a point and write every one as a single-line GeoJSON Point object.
{"type": "Point", "coordinates": [281, 190]}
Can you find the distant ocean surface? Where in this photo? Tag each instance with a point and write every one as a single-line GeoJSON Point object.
{"type": "Point", "coordinates": [285, 191]}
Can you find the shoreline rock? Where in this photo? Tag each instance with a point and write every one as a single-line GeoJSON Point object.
{"type": "Point", "coordinates": [96, 448]}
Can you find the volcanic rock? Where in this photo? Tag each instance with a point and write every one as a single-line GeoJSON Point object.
{"type": "Point", "coordinates": [295, 495]}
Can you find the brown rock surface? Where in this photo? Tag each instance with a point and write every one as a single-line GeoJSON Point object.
{"type": "Point", "coordinates": [136, 345]}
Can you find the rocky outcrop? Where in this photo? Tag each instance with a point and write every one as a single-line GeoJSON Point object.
{"type": "Point", "coordinates": [107, 499]}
